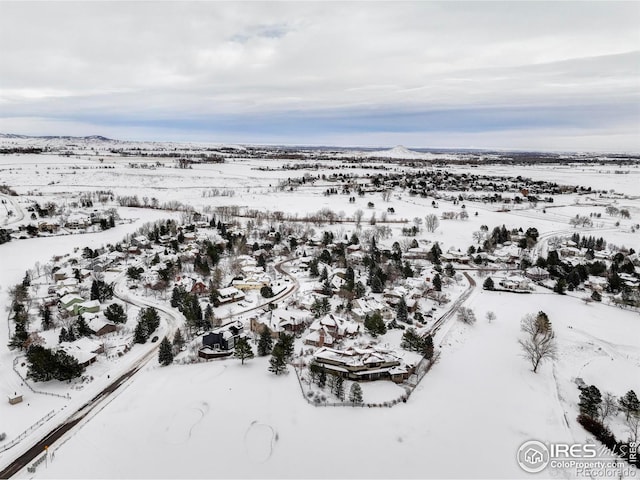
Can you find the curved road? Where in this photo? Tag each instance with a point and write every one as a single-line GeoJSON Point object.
{"type": "Point", "coordinates": [17, 209]}
{"type": "Point", "coordinates": [120, 290]}
{"type": "Point", "coordinates": [454, 307]}
{"type": "Point", "coordinates": [175, 319]}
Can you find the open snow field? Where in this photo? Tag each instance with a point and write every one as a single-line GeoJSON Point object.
{"type": "Point", "coordinates": [467, 417]}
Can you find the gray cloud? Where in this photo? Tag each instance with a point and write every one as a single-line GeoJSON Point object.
{"type": "Point", "coordinates": [90, 63]}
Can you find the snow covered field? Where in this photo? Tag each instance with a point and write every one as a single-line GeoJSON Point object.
{"type": "Point", "coordinates": [466, 418]}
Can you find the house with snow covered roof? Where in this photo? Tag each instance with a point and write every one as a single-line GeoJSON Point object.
{"type": "Point", "coordinates": [537, 274]}
{"type": "Point", "coordinates": [70, 299]}
{"type": "Point", "coordinates": [516, 283]}
{"type": "Point", "coordinates": [279, 321]}
{"type": "Point", "coordinates": [368, 306]}
{"type": "Point", "coordinates": [101, 326]}
{"type": "Point", "coordinates": [229, 295]}
{"type": "Point", "coordinates": [326, 330]}
{"type": "Point", "coordinates": [367, 363]}
{"type": "Point", "coordinates": [84, 350]}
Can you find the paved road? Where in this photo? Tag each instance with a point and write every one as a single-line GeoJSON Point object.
{"type": "Point", "coordinates": [120, 291]}
{"type": "Point", "coordinates": [18, 211]}
{"type": "Point", "coordinates": [454, 307]}
{"type": "Point", "coordinates": [176, 318]}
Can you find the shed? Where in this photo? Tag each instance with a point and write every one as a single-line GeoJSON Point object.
{"type": "Point", "coordinates": [15, 398]}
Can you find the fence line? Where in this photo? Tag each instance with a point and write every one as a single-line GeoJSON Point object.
{"type": "Point", "coordinates": [16, 440]}
{"type": "Point", "coordinates": [39, 392]}
{"type": "Point", "coordinates": [388, 403]}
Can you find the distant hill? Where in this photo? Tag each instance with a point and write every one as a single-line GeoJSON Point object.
{"type": "Point", "coordinates": [90, 138]}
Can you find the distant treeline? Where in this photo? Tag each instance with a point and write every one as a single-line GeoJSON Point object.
{"type": "Point", "coordinates": [10, 150]}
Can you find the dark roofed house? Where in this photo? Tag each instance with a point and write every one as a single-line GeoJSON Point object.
{"type": "Point", "coordinates": [224, 337]}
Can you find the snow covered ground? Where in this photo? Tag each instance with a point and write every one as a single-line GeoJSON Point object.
{"type": "Point", "coordinates": [466, 418]}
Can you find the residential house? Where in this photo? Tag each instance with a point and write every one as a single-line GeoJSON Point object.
{"type": "Point", "coordinates": [279, 321]}
{"type": "Point", "coordinates": [368, 363]}
{"type": "Point", "coordinates": [537, 274]}
{"type": "Point", "coordinates": [224, 337]}
{"type": "Point", "coordinates": [101, 326]}
{"type": "Point", "coordinates": [325, 330]}
{"type": "Point", "coordinates": [69, 300]}
{"type": "Point", "coordinates": [84, 350]}
{"type": "Point", "coordinates": [229, 295]}
{"type": "Point", "coordinates": [90, 306]}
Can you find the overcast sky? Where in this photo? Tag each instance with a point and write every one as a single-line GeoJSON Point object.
{"type": "Point", "coordinates": [519, 75]}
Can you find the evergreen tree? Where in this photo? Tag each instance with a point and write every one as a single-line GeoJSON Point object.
{"type": "Point", "coordinates": [590, 400]}
{"type": "Point", "coordinates": [82, 328]}
{"type": "Point", "coordinates": [340, 388]}
{"type": "Point", "coordinates": [165, 352]}
{"type": "Point", "coordinates": [411, 340]}
{"type": "Point", "coordinates": [427, 347]}
{"type": "Point", "coordinates": [313, 268]}
{"type": "Point", "coordinates": [376, 284]}
{"type": "Point", "coordinates": [326, 288]}
{"type": "Point", "coordinates": [208, 316]}
{"type": "Point", "coordinates": [407, 271]}
{"type": "Point", "coordinates": [95, 290]}
{"type": "Point", "coordinates": [320, 307]}
{"type": "Point", "coordinates": [324, 275]}
{"type": "Point", "coordinates": [243, 350]}
{"type": "Point", "coordinates": [63, 336]}
{"type": "Point", "coordinates": [178, 340]}
{"type": "Point", "coordinates": [134, 273]}
{"type": "Point", "coordinates": [437, 283]}
{"type": "Point", "coordinates": [265, 343]}
{"type": "Point", "coordinates": [67, 367]}
{"type": "Point", "coordinates": [150, 318]}
{"type": "Point", "coordinates": [140, 334]}
{"type": "Point", "coordinates": [629, 404]}
{"type": "Point", "coordinates": [46, 318]}
{"type": "Point", "coordinates": [375, 324]}
{"type": "Point", "coordinates": [266, 291]}
{"type": "Point", "coordinates": [401, 310]}
{"type": "Point", "coordinates": [449, 270]}
{"type": "Point", "coordinates": [177, 296]}
{"type": "Point", "coordinates": [19, 337]}
{"type": "Point", "coordinates": [488, 284]}
{"type": "Point", "coordinates": [46, 365]}
{"type": "Point", "coordinates": [277, 363]}
{"type": "Point", "coordinates": [355, 393]}
{"type": "Point", "coordinates": [286, 341]}
{"type": "Point", "coordinates": [115, 313]}
{"type": "Point", "coordinates": [560, 286]}
{"type": "Point", "coordinates": [322, 377]}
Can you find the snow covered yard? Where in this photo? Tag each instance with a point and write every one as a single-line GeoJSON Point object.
{"type": "Point", "coordinates": [467, 417]}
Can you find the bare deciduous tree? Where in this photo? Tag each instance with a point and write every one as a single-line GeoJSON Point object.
{"type": "Point", "coordinates": [633, 425]}
{"type": "Point", "coordinates": [608, 407]}
{"type": "Point", "coordinates": [357, 217]}
{"type": "Point", "coordinates": [431, 222]}
{"type": "Point", "coordinates": [466, 315]}
{"type": "Point", "coordinates": [539, 343]}
{"type": "Point", "coordinates": [491, 316]}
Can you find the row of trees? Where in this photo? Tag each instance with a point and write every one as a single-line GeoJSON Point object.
{"type": "Point", "coordinates": [45, 365]}
{"type": "Point", "coordinates": [596, 408]}
{"type": "Point", "coordinates": [148, 322]}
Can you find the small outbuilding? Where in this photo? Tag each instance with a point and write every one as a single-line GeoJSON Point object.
{"type": "Point", "coordinates": [15, 398]}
